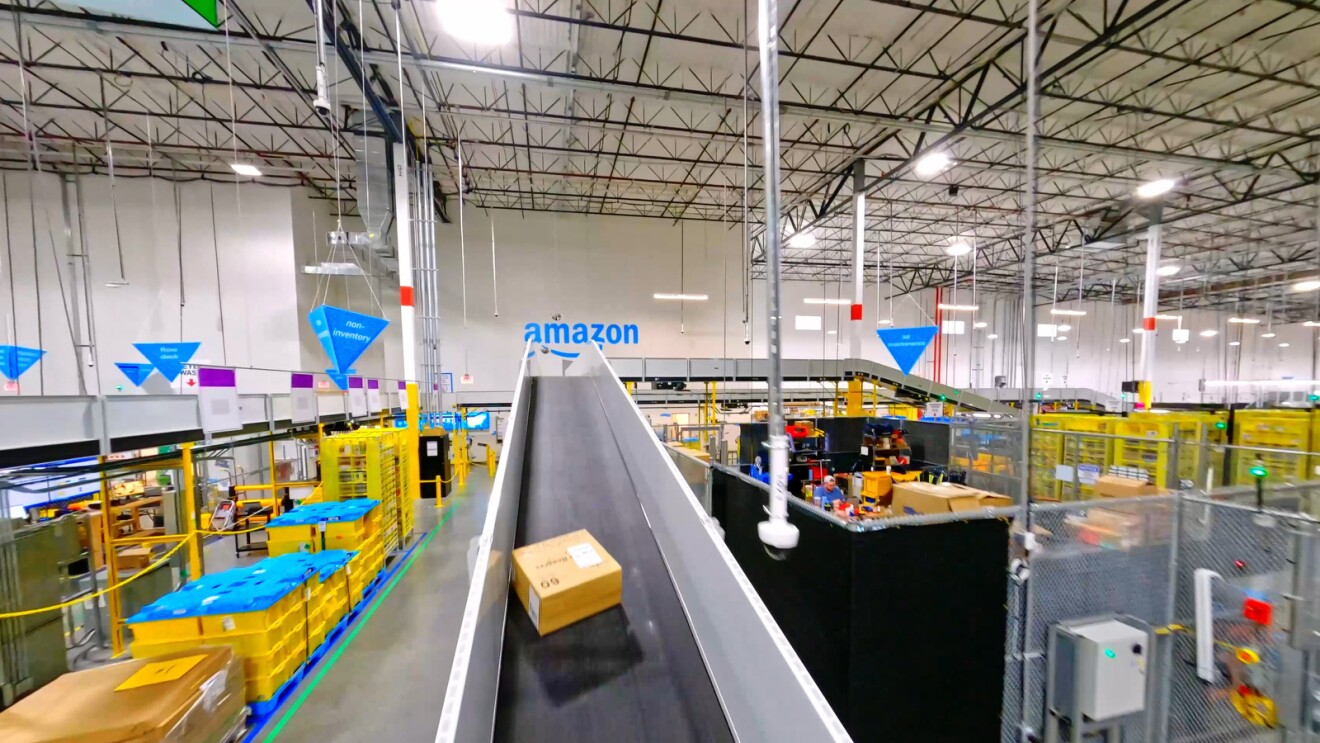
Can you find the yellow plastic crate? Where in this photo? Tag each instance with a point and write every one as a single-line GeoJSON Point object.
{"type": "Point", "coordinates": [284, 540]}
{"type": "Point", "coordinates": [263, 687]}
{"type": "Point", "coordinates": [168, 630]}
{"type": "Point", "coordinates": [265, 620]}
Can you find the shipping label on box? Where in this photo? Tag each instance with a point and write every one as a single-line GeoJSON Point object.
{"type": "Point", "coordinates": [565, 579]}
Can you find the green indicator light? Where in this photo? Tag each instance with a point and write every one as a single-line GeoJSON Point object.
{"type": "Point", "coordinates": [1258, 471]}
{"type": "Point", "coordinates": [1110, 653]}
{"type": "Point", "coordinates": [942, 398]}
{"type": "Point", "coordinates": [1313, 397]}
{"type": "Point", "coordinates": [119, 388]}
{"type": "Point", "coordinates": [1039, 395]}
{"type": "Point", "coordinates": [1221, 425]}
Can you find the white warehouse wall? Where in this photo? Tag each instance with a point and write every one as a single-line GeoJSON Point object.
{"type": "Point", "coordinates": [245, 262]}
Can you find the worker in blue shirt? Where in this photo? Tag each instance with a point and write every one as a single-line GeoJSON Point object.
{"type": "Point", "coordinates": [827, 492]}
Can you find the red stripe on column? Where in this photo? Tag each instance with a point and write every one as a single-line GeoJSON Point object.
{"type": "Point", "coordinates": [405, 296]}
{"type": "Point", "coordinates": [1148, 323]}
{"type": "Point", "coordinates": [857, 312]}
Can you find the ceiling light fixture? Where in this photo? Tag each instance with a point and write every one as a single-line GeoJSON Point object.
{"type": "Point", "coordinates": [1284, 345]}
{"type": "Point", "coordinates": [244, 169]}
{"type": "Point", "coordinates": [959, 248]}
{"type": "Point", "coordinates": [1064, 328]}
{"type": "Point", "coordinates": [1061, 338]}
{"type": "Point", "coordinates": [484, 22]}
{"type": "Point", "coordinates": [831, 332]}
{"type": "Point", "coordinates": [1069, 313]}
{"type": "Point", "coordinates": [980, 324]}
{"type": "Point", "coordinates": [802, 240]}
{"type": "Point", "coordinates": [932, 163]}
{"type": "Point", "coordinates": [1168, 317]}
{"type": "Point", "coordinates": [1309, 285]}
{"type": "Point", "coordinates": [1235, 343]}
{"type": "Point", "coordinates": [958, 307]}
{"type": "Point", "coordinates": [1311, 324]}
{"type": "Point", "coordinates": [1168, 269]}
{"type": "Point", "coordinates": [680, 297]}
{"type": "Point", "coordinates": [884, 322]}
{"type": "Point", "coordinates": [1154, 189]}
{"type": "Point", "coordinates": [824, 300]}
{"type": "Point", "coordinates": [1124, 340]}
{"type": "Point", "coordinates": [992, 336]}
{"type": "Point", "coordinates": [1270, 334]}
{"type": "Point", "coordinates": [1244, 320]}
{"type": "Point", "coordinates": [1209, 333]}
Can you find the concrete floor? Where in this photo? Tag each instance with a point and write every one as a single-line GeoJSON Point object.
{"type": "Point", "coordinates": [388, 683]}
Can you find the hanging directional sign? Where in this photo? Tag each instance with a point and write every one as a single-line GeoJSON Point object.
{"type": "Point", "coordinates": [168, 358]}
{"type": "Point", "coordinates": [340, 378]}
{"type": "Point", "coordinates": [14, 360]}
{"type": "Point", "coordinates": [343, 334]}
{"type": "Point", "coordinates": [907, 344]}
{"type": "Point", "coordinates": [136, 373]}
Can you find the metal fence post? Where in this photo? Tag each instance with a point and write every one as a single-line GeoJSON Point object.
{"type": "Point", "coordinates": [1076, 466]}
{"type": "Point", "coordinates": [1173, 480]}
{"type": "Point", "coordinates": [1163, 692]}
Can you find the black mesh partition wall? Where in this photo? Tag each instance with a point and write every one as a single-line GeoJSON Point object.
{"type": "Point", "coordinates": [901, 628]}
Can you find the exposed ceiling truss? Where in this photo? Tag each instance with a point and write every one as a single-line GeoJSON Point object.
{"type": "Point", "coordinates": [642, 108]}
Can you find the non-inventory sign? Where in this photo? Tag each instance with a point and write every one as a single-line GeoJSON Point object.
{"type": "Point", "coordinates": [302, 396]}
{"type": "Point", "coordinates": [344, 334]}
{"type": "Point", "coordinates": [357, 398]}
{"type": "Point", "coordinates": [217, 395]}
{"type": "Point", "coordinates": [136, 373]}
{"type": "Point", "coordinates": [907, 344]}
{"type": "Point", "coordinates": [340, 378]}
{"type": "Point", "coordinates": [15, 360]}
{"type": "Point", "coordinates": [168, 358]}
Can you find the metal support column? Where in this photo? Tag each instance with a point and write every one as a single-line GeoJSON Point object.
{"type": "Point", "coordinates": [859, 265]}
{"type": "Point", "coordinates": [1149, 309]}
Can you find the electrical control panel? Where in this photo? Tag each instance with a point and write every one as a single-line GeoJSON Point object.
{"type": "Point", "coordinates": [1109, 664]}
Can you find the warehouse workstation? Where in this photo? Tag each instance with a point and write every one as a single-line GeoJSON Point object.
{"type": "Point", "coordinates": [523, 370]}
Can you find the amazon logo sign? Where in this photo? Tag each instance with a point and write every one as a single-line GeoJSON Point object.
{"type": "Point", "coordinates": [550, 333]}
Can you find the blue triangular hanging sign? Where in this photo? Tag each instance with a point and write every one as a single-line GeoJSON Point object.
{"type": "Point", "coordinates": [907, 344]}
{"type": "Point", "coordinates": [136, 373]}
{"type": "Point", "coordinates": [169, 358]}
{"type": "Point", "coordinates": [343, 334]}
{"type": "Point", "coordinates": [14, 360]}
{"type": "Point", "coordinates": [340, 378]}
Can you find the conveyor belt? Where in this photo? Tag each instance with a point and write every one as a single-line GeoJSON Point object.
{"type": "Point", "coordinates": [632, 673]}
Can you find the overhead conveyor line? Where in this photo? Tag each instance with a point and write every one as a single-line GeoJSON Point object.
{"type": "Point", "coordinates": [691, 654]}
{"type": "Point", "coordinates": [801, 370]}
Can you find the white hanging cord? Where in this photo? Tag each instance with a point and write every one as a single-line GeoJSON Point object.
{"type": "Point", "coordinates": [11, 323]}
{"type": "Point", "coordinates": [362, 54]}
{"type": "Point", "coordinates": [462, 250]}
{"type": "Point", "coordinates": [494, 272]}
{"type": "Point", "coordinates": [682, 278]}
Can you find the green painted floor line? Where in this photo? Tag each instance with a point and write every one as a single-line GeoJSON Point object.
{"type": "Point", "coordinates": [371, 610]}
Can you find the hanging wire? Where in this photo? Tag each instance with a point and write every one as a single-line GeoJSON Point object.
{"type": "Point", "coordinates": [462, 248]}
{"type": "Point", "coordinates": [494, 272]}
{"type": "Point", "coordinates": [682, 277]}
{"type": "Point", "coordinates": [11, 323]}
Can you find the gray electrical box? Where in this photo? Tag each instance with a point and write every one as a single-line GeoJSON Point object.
{"type": "Point", "coordinates": [1098, 670]}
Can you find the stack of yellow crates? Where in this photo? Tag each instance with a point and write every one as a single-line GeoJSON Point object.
{"type": "Point", "coordinates": [371, 463]}
{"type": "Point", "coordinates": [342, 525]}
{"type": "Point", "coordinates": [261, 614]}
{"type": "Point", "coordinates": [328, 597]}
{"type": "Point", "coordinates": [1046, 453]}
{"type": "Point", "coordinates": [1088, 456]}
{"type": "Point", "coordinates": [1272, 429]}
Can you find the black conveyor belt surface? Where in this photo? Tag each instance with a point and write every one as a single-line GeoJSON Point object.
{"type": "Point", "coordinates": [633, 673]}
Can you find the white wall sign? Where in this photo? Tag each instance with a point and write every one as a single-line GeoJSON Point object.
{"type": "Point", "coordinates": [357, 397]}
{"type": "Point", "coordinates": [373, 396]}
{"type": "Point", "coordinates": [302, 396]}
{"type": "Point", "coordinates": [218, 397]}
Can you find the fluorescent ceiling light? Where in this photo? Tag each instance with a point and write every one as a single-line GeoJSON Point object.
{"type": "Point", "coordinates": [1210, 333]}
{"type": "Point", "coordinates": [1061, 338]}
{"type": "Point", "coordinates": [1309, 285]}
{"type": "Point", "coordinates": [1063, 328]}
{"type": "Point", "coordinates": [1284, 345]}
{"type": "Point", "coordinates": [327, 268]}
{"type": "Point", "coordinates": [1270, 334]}
{"type": "Point", "coordinates": [802, 240]}
{"type": "Point", "coordinates": [931, 164]}
{"type": "Point", "coordinates": [1069, 313]}
{"type": "Point", "coordinates": [831, 332]}
{"type": "Point", "coordinates": [680, 297]}
{"type": "Point", "coordinates": [1124, 340]}
{"type": "Point", "coordinates": [959, 307]}
{"type": "Point", "coordinates": [959, 248]}
{"type": "Point", "coordinates": [485, 22]}
{"type": "Point", "coordinates": [1168, 317]}
{"type": "Point", "coordinates": [1311, 324]}
{"type": "Point", "coordinates": [891, 322]}
{"type": "Point", "coordinates": [244, 169]}
{"type": "Point", "coordinates": [825, 300]}
{"type": "Point", "coordinates": [1138, 331]}
{"type": "Point", "coordinates": [1244, 320]}
{"type": "Point", "coordinates": [1235, 343]}
{"type": "Point", "coordinates": [1156, 188]}
{"type": "Point", "coordinates": [1262, 382]}
{"type": "Point", "coordinates": [992, 336]}
{"type": "Point", "coordinates": [1168, 269]}
{"type": "Point", "coordinates": [980, 324]}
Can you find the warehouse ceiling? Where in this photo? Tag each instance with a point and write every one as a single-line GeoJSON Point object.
{"type": "Point", "coordinates": [645, 109]}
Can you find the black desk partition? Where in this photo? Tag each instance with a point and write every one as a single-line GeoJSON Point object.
{"type": "Point", "coordinates": [901, 628]}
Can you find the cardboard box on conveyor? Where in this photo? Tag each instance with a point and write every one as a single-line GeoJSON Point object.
{"type": "Point", "coordinates": [565, 580]}
{"type": "Point", "coordinates": [194, 696]}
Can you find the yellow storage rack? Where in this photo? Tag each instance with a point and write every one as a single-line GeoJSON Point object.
{"type": "Point", "coordinates": [1193, 429]}
{"type": "Point", "coordinates": [1272, 429]}
{"type": "Point", "coordinates": [372, 463]}
{"type": "Point", "coordinates": [1046, 454]}
{"type": "Point", "coordinates": [1088, 456]}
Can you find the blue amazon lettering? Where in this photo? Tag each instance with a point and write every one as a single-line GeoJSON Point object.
{"type": "Point", "coordinates": [550, 333]}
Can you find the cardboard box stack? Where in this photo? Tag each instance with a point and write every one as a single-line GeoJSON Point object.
{"type": "Point", "coordinates": [912, 498]}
